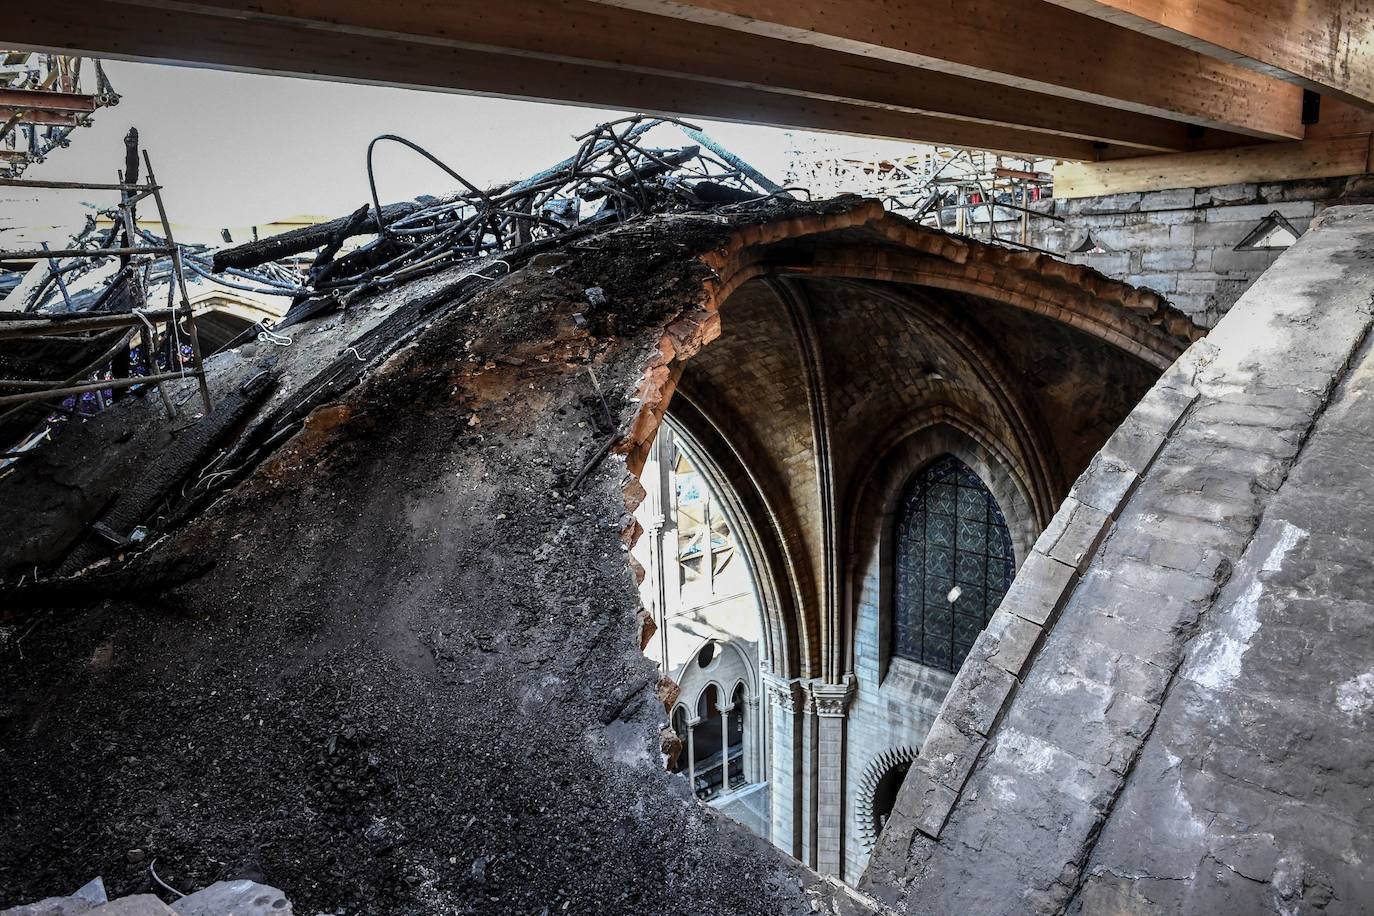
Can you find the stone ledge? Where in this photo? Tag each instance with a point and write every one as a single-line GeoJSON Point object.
{"type": "Point", "coordinates": [1074, 533]}
{"type": "Point", "coordinates": [977, 697]}
{"type": "Point", "coordinates": [1105, 485]}
{"type": "Point", "coordinates": [924, 803]}
{"type": "Point", "coordinates": [948, 755]}
{"type": "Point", "coordinates": [1039, 589]}
{"type": "Point", "coordinates": [1007, 642]}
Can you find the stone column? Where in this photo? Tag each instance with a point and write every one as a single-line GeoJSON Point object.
{"type": "Point", "coordinates": [753, 740]}
{"type": "Point", "coordinates": [691, 756]}
{"type": "Point", "coordinates": [806, 759]}
{"type": "Point", "coordinates": [831, 702]}
{"type": "Point", "coordinates": [784, 780]}
{"type": "Point", "coordinates": [725, 748]}
{"type": "Point", "coordinates": [658, 528]}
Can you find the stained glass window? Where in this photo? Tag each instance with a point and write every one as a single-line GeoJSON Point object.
{"type": "Point", "coordinates": [953, 565]}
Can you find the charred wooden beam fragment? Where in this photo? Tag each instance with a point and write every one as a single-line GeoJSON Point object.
{"type": "Point", "coordinates": [308, 238]}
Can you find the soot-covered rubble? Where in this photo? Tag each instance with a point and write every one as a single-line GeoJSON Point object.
{"type": "Point", "coordinates": [382, 649]}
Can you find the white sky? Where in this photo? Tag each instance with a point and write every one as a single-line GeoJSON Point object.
{"type": "Point", "coordinates": [236, 149]}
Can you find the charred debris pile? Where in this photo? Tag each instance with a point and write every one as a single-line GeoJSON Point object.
{"type": "Point", "coordinates": [613, 176]}
{"type": "Point", "coordinates": [405, 262]}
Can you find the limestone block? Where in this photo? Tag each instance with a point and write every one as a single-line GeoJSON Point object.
{"type": "Point", "coordinates": [948, 754]}
{"type": "Point", "coordinates": [1296, 212]}
{"type": "Point", "coordinates": [1107, 203]}
{"type": "Point", "coordinates": [1040, 587]}
{"type": "Point", "coordinates": [1136, 441]}
{"type": "Point", "coordinates": [137, 905]}
{"type": "Point", "coordinates": [923, 803]}
{"type": "Point", "coordinates": [1105, 484]}
{"type": "Point", "coordinates": [1167, 259]}
{"type": "Point", "coordinates": [234, 898]}
{"type": "Point", "coordinates": [1007, 642]}
{"type": "Point", "coordinates": [1179, 199]}
{"type": "Point", "coordinates": [977, 696]}
{"type": "Point", "coordinates": [1157, 281]}
{"type": "Point", "coordinates": [51, 906]}
{"type": "Point", "coordinates": [1074, 533]}
{"type": "Point", "coordinates": [93, 890]}
{"type": "Point", "coordinates": [1228, 194]}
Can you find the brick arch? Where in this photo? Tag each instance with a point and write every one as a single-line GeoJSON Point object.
{"type": "Point", "coordinates": [864, 242]}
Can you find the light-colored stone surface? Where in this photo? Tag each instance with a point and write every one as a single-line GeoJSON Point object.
{"type": "Point", "coordinates": [51, 906]}
{"type": "Point", "coordinates": [137, 905]}
{"type": "Point", "coordinates": [1182, 243]}
{"type": "Point", "coordinates": [1170, 678]}
{"type": "Point", "coordinates": [234, 898]}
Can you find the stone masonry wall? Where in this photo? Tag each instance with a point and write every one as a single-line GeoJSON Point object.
{"type": "Point", "coordinates": [1168, 712]}
{"type": "Point", "coordinates": [1181, 243]}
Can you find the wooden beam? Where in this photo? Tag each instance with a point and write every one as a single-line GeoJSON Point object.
{"type": "Point", "coordinates": [1030, 44]}
{"type": "Point", "coordinates": [579, 31]}
{"type": "Point", "coordinates": [1267, 162]}
{"type": "Point", "coordinates": [134, 32]}
{"type": "Point", "coordinates": [47, 100]}
{"type": "Point", "coordinates": [1324, 45]}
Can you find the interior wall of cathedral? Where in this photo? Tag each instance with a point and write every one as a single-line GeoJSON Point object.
{"type": "Point", "coordinates": [813, 413]}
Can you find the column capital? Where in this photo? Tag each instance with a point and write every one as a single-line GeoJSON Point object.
{"type": "Point", "coordinates": [831, 699]}
{"type": "Point", "coordinates": [782, 693]}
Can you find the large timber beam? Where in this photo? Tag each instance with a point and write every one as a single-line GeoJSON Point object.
{"type": "Point", "coordinates": [139, 32]}
{"type": "Point", "coordinates": [1030, 44]}
{"type": "Point", "coordinates": [39, 117]}
{"type": "Point", "coordinates": [33, 99]}
{"type": "Point", "coordinates": [1329, 158]}
{"type": "Point", "coordinates": [579, 31]}
{"type": "Point", "coordinates": [1325, 45]}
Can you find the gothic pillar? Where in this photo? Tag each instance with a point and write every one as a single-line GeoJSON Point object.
{"type": "Point", "coordinates": [691, 756]}
{"type": "Point", "coordinates": [753, 741]}
{"type": "Point", "coordinates": [661, 531]}
{"type": "Point", "coordinates": [807, 760]}
{"type": "Point", "coordinates": [784, 780]}
{"type": "Point", "coordinates": [831, 702]}
{"type": "Point", "coordinates": [725, 746]}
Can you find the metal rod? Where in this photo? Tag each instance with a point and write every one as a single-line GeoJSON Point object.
{"type": "Point", "coordinates": [68, 317]}
{"type": "Point", "coordinates": [93, 386]}
{"type": "Point", "coordinates": [72, 185]}
{"type": "Point", "coordinates": [96, 323]}
{"type": "Point", "coordinates": [181, 285]}
{"type": "Point", "coordinates": [57, 275]}
{"type": "Point", "coordinates": [40, 254]}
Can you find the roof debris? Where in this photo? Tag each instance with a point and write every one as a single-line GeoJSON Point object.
{"type": "Point", "coordinates": [612, 177]}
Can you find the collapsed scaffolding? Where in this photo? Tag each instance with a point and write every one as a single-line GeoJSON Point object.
{"type": "Point", "coordinates": [116, 344]}
{"type": "Point", "coordinates": [983, 195]}
{"type": "Point", "coordinates": [100, 344]}
{"type": "Point", "coordinates": [42, 103]}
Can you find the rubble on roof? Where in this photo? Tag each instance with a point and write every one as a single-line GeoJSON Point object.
{"type": "Point", "coordinates": [223, 898]}
{"type": "Point", "coordinates": [613, 176]}
{"type": "Point", "coordinates": [368, 628]}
